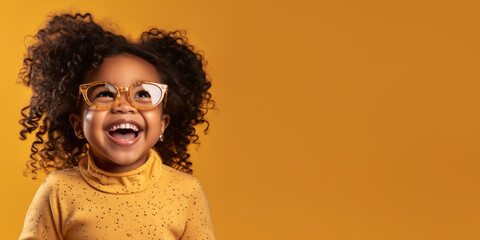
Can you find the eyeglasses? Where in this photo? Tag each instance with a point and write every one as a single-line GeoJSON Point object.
{"type": "Point", "coordinates": [141, 95]}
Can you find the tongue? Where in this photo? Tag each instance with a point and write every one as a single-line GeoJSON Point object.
{"type": "Point", "coordinates": [121, 136]}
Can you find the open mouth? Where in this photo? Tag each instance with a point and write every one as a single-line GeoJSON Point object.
{"type": "Point", "coordinates": [124, 134]}
{"type": "Point", "coordinates": [124, 131]}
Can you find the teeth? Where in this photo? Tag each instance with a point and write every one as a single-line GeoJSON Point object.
{"type": "Point", "coordinates": [124, 126]}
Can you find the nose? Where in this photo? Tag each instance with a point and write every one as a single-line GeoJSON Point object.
{"type": "Point", "coordinates": [123, 106]}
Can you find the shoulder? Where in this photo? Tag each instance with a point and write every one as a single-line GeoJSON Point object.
{"type": "Point", "coordinates": [54, 182]}
{"type": "Point", "coordinates": [178, 178]}
{"type": "Point", "coordinates": [176, 175]}
{"type": "Point", "coordinates": [68, 173]}
{"type": "Point", "coordinates": [62, 177]}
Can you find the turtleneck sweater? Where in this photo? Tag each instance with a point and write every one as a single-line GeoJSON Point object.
{"type": "Point", "coordinates": [153, 201]}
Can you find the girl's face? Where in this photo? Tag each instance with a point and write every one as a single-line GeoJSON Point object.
{"type": "Point", "coordinates": [112, 151]}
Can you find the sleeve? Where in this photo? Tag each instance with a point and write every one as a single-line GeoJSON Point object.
{"type": "Point", "coordinates": [199, 221]}
{"type": "Point", "coordinates": [42, 219]}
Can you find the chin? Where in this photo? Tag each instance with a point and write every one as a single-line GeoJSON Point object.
{"type": "Point", "coordinates": [126, 158]}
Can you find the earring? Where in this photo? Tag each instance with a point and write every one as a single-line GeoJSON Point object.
{"type": "Point", "coordinates": [161, 138]}
{"type": "Point", "coordinates": [80, 134]}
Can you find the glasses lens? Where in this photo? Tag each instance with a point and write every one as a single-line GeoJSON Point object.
{"type": "Point", "coordinates": [146, 95]}
{"type": "Point", "coordinates": [102, 95]}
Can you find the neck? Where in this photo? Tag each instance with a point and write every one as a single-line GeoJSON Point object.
{"type": "Point", "coordinates": [137, 180]}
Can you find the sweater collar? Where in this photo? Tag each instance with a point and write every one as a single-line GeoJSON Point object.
{"type": "Point", "coordinates": [133, 181]}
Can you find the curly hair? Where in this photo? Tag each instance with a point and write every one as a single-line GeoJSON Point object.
{"type": "Point", "coordinates": [69, 47]}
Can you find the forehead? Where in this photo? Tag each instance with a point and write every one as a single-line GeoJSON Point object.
{"type": "Point", "coordinates": [124, 70]}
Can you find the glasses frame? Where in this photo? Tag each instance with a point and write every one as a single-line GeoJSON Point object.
{"type": "Point", "coordinates": [84, 88]}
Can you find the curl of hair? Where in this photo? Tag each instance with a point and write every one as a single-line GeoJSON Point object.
{"type": "Point", "coordinates": [70, 46]}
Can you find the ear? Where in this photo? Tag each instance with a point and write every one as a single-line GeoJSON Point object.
{"type": "Point", "coordinates": [165, 121]}
{"type": "Point", "coordinates": [75, 122]}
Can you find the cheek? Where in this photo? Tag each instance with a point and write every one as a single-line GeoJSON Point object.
{"type": "Point", "coordinates": [154, 123]}
{"type": "Point", "coordinates": [92, 122]}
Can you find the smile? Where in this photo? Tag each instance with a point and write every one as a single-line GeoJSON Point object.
{"type": "Point", "coordinates": [124, 133]}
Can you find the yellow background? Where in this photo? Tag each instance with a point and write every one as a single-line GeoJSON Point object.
{"type": "Point", "coordinates": [337, 119]}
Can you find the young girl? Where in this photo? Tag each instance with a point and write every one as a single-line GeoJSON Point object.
{"type": "Point", "coordinates": [113, 119]}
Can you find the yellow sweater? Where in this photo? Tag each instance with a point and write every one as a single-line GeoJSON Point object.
{"type": "Point", "coordinates": [152, 202]}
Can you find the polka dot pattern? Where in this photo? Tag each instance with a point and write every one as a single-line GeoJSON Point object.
{"type": "Point", "coordinates": [152, 202]}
